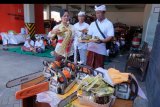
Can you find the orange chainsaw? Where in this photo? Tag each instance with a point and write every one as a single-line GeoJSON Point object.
{"type": "Point", "coordinates": [60, 77]}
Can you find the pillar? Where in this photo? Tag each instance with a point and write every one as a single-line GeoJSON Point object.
{"type": "Point", "coordinates": [33, 18]}
{"type": "Point", "coordinates": [64, 6]}
{"type": "Point", "coordinates": [83, 7]}
{"type": "Point", "coordinates": [29, 19]}
{"type": "Point", "coordinates": [48, 10]}
{"type": "Point", "coordinates": [153, 73]}
{"type": "Point", "coordinates": [150, 22]}
{"type": "Point", "coordinates": [39, 22]}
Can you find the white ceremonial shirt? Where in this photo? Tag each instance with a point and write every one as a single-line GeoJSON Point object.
{"type": "Point", "coordinates": [60, 37]}
{"type": "Point", "coordinates": [108, 30]}
{"type": "Point", "coordinates": [26, 43]}
{"type": "Point", "coordinates": [39, 44]}
{"type": "Point", "coordinates": [78, 27]}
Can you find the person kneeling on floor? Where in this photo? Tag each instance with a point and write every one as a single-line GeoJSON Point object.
{"type": "Point", "coordinates": [39, 46]}
{"type": "Point", "coordinates": [28, 45]}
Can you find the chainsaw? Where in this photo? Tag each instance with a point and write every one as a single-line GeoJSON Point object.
{"type": "Point", "coordinates": [65, 75]}
{"type": "Point", "coordinates": [60, 77]}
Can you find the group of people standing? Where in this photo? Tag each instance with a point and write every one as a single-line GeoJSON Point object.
{"type": "Point", "coordinates": [92, 52]}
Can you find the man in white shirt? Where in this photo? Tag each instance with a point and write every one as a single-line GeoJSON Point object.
{"type": "Point", "coordinates": [97, 48]}
{"type": "Point", "coordinates": [39, 46]}
{"type": "Point", "coordinates": [81, 30]}
{"type": "Point", "coordinates": [28, 45]}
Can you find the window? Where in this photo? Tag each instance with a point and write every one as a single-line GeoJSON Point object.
{"type": "Point", "coordinates": [56, 16]}
{"type": "Point", "coordinates": [44, 15]}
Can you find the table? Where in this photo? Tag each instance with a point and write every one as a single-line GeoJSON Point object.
{"type": "Point", "coordinates": [31, 101]}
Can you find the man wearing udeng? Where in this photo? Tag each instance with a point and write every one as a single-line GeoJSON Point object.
{"type": "Point", "coordinates": [97, 48]}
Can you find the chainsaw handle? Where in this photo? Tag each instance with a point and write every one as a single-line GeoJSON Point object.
{"type": "Point", "coordinates": [66, 64]}
{"type": "Point", "coordinates": [85, 66]}
{"type": "Point", "coordinates": [46, 63]}
{"type": "Point", "coordinates": [98, 72]}
{"type": "Point", "coordinates": [91, 69]}
{"type": "Point", "coordinates": [65, 79]}
{"type": "Point", "coordinates": [136, 88]}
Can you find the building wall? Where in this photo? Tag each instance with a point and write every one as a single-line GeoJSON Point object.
{"type": "Point", "coordinates": [147, 13]}
{"type": "Point", "coordinates": [129, 18]}
{"type": "Point", "coordinates": [39, 23]}
{"type": "Point", "coordinates": [153, 73]}
{"type": "Point", "coordinates": [11, 17]}
{"type": "Point", "coordinates": [150, 24]}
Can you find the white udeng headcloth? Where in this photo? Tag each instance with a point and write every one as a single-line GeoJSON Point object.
{"type": "Point", "coordinates": [37, 36]}
{"type": "Point", "coordinates": [100, 8]}
{"type": "Point", "coordinates": [81, 13]}
{"type": "Point", "coordinates": [28, 37]}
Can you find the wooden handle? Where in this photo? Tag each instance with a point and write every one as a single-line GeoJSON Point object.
{"type": "Point", "coordinates": [33, 90]}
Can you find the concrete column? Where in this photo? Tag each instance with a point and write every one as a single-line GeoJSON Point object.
{"type": "Point", "coordinates": [29, 19]}
{"type": "Point", "coordinates": [153, 72]}
{"type": "Point", "coordinates": [147, 12]}
{"type": "Point", "coordinates": [48, 10]}
{"type": "Point", "coordinates": [29, 16]}
{"type": "Point", "coordinates": [64, 6]}
{"type": "Point", "coordinates": [39, 22]}
{"type": "Point", "coordinates": [83, 7]}
{"type": "Point", "coordinates": [150, 22]}
{"type": "Point", "coordinates": [159, 17]}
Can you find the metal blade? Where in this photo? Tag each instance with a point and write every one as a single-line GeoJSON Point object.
{"type": "Point", "coordinates": [23, 79]}
{"type": "Point", "coordinates": [68, 99]}
{"type": "Point", "coordinates": [70, 86]}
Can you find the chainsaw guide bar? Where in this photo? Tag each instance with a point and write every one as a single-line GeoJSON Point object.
{"type": "Point", "coordinates": [23, 79]}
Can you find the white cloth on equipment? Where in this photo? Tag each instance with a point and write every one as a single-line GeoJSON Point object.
{"type": "Point", "coordinates": [13, 38]}
{"type": "Point", "coordinates": [48, 97]}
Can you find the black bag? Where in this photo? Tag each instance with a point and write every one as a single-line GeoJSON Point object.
{"type": "Point", "coordinates": [108, 44]}
{"type": "Point", "coordinates": [113, 50]}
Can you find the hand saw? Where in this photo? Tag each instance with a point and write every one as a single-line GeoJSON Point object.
{"type": "Point", "coordinates": [23, 79]}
